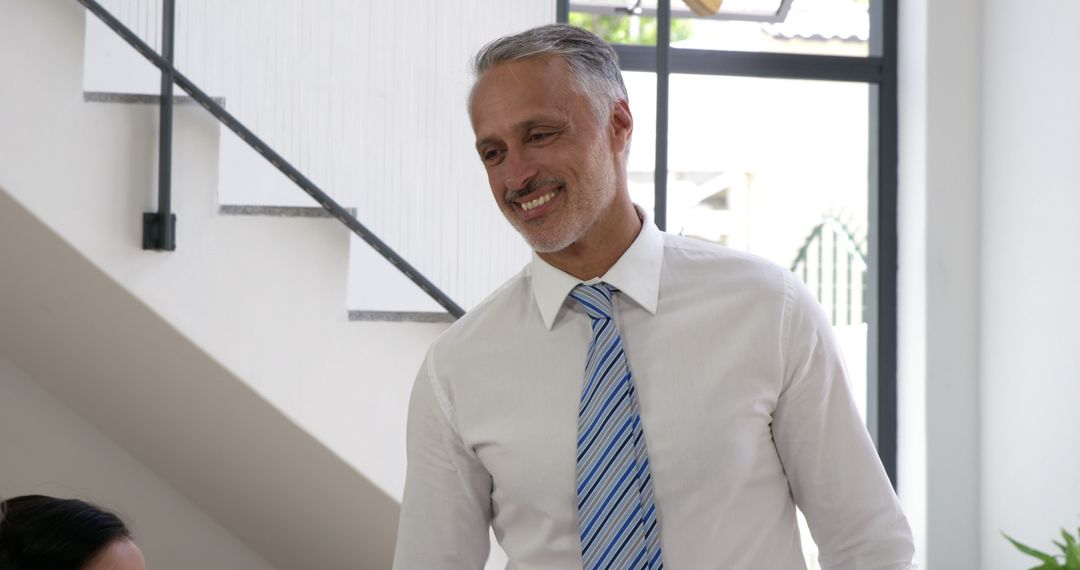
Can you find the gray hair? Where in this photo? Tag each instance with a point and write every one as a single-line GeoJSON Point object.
{"type": "Point", "coordinates": [593, 63]}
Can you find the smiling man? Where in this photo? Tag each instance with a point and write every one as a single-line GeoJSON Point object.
{"type": "Point", "coordinates": [631, 399]}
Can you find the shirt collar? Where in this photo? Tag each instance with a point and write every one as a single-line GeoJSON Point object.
{"type": "Point", "coordinates": [636, 274]}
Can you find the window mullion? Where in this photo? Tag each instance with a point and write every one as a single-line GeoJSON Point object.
{"type": "Point", "coordinates": [662, 55]}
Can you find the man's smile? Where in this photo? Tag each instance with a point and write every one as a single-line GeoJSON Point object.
{"type": "Point", "coordinates": [540, 199]}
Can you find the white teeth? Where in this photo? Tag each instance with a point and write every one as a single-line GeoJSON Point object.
{"type": "Point", "coordinates": [537, 202]}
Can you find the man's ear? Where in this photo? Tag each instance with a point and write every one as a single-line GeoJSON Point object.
{"type": "Point", "coordinates": [622, 126]}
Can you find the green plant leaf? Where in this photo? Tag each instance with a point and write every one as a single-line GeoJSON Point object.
{"type": "Point", "coordinates": [1072, 551]}
{"type": "Point", "coordinates": [1068, 538]}
{"type": "Point", "coordinates": [1048, 559]}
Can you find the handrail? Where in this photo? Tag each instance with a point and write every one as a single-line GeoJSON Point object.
{"type": "Point", "coordinates": [298, 178]}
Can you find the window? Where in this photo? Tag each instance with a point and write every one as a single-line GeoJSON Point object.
{"type": "Point", "coordinates": [771, 127]}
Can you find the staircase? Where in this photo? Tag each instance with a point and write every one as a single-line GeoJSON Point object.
{"type": "Point", "coordinates": [367, 100]}
{"type": "Point", "coordinates": [230, 367]}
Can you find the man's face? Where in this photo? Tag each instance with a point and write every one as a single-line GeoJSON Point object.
{"type": "Point", "coordinates": [549, 158]}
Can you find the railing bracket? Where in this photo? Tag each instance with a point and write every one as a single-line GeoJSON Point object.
{"type": "Point", "coordinates": [155, 237]}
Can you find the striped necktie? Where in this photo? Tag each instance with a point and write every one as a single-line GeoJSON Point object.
{"type": "Point", "coordinates": [616, 512]}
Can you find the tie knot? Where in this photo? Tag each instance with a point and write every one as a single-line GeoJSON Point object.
{"type": "Point", "coordinates": [595, 299]}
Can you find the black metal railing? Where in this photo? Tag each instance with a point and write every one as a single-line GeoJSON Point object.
{"type": "Point", "coordinates": [159, 229]}
{"type": "Point", "coordinates": [829, 249]}
{"type": "Point", "coordinates": [173, 76]}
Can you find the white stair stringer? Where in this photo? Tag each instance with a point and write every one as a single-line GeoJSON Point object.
{"type": "Point", "coordinates": [259, 363]}
{"type": "Point", "coordinates": [129, 372]}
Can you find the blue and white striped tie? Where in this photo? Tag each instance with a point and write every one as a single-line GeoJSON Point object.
{"type": "Point", "coordinates": [616, 512]}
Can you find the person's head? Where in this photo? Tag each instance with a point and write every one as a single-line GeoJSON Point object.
{"type": "Point", "coordinates": [553, 126]}
{"type": "Point", "coordinates": [46, 533]}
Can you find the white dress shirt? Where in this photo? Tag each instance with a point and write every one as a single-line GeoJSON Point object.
{"type": "Point", "coordinates": [744, 399]}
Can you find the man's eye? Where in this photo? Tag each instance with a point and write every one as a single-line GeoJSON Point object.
{"type": "Point", "coordinates": [536, 137]}
{"type": "Point", "coordinates": [491, 156]}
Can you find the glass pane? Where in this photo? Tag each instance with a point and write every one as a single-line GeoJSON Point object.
{"type": "Point", "coordinates": [640, 170]}
{"type": "Point", "coordinates": [822, 27]}
{"type": "Point", "coordinates": [619, 27]}
{"type": "Point", "coordinates": [762, 10]}
{"type": "Point", "coordinates": [779, 168]}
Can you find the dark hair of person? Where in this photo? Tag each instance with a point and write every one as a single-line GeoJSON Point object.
{"type": "Point", "coordinates": [46, 533]}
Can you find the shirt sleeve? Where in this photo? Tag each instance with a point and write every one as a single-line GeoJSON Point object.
{"type": "Point", "coordinates": [832, 467]}
{"type": "Point", "coordinates": [446, 510]}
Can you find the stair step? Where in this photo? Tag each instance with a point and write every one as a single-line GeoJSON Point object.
{"type": "Point", "coordinates": [144, 98]}
{"type": "Point", "coordinates": [277, 211]}
{"type": "Point", "coordinates": [401, 316]}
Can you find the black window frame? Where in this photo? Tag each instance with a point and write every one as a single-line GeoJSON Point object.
{"type": "Point", "coordinates": [878, 70]}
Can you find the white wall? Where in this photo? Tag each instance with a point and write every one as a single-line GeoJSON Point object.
{"type": "Point", "coordinates": [990, 371]}
{"type": "Point", "coordinates": [165, 400]}
{"type": "Point", "coordinates": [940, 171]}
{"type": "Point", "coordinates": [1030, 308]}
{"type": "Point", "coordinates": [911, 275]}
{"type": "Point", "coordinates": [59, 453]}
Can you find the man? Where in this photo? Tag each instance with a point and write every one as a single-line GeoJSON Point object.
{"type": "Point", "coordinates": [631, 399]}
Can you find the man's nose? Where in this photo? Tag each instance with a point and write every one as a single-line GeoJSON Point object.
{"type": "Point", "coordinates": [519, 169]}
